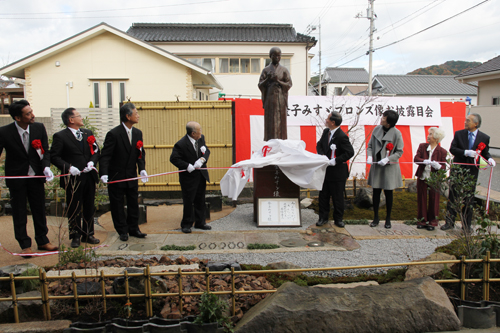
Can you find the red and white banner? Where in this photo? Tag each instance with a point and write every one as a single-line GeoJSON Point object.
{"type": "Point", "coordinates": [249, 131]}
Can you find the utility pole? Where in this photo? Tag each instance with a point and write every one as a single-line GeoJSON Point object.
{"type": "Point", "coordinates": [319, 54]}
{"type": "Point", "coordinates": [371, 16]}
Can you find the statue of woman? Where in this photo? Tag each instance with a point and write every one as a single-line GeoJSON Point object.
{"type": "Point", "coordinates": [274, 83]}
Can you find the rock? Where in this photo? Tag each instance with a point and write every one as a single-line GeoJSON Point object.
{"type": "Point", "coordinates": [415, 272]}
{"type": "Point", "coordinates": [219, 266]}
{"type": "Point", "coordinates": [27, 310]}
{"type": "Point", "coordinates": [36, 326]}
{"type": "Point", "coordinates": [364, 198]}
{"type": "Point", "coordinates": [412, 186]}
{"type": "Point", "coordinates": [88, 288]}
{"type": "Point", "coordinates": [419, 305]}
{"type": "Point", "coordinates": [135, 283]}
{"type": "Point", "coordinates": [306, 202]}
{"type": "Point", "coordinates": [347, 285]}
{"type": "Point", "coordinates": [17, 270]}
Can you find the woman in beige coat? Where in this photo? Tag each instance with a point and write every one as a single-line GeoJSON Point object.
{"type": "Point", "coordinates": [384, 150]}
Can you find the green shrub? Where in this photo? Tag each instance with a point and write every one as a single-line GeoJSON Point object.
{"type": "Point", "coordinates": [259, 246]}
{"type": "Point", "coordinates": [178, 248]}
{"type": "Point", "coordinates": [76, 255]}
{"type": "Point", "coordinates": [29, 285]}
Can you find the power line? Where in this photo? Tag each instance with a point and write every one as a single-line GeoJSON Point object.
{"type": "Point", "coordinates": [432, 26]}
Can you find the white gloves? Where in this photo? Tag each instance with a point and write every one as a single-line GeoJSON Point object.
{"type": "Point", "coordinates": [104, 179]}
{"type": "Point", "coordinates": [199, 163]}
{"type": "Point", "coordinates": [492, 162]}
{"type": "Point", "coordinates": [144, 174]}
{"type": "Point", "coordinates": [332, 162]}
{"type": "Point", "coordinates": [383, 161]}
{"type": "Point", "coordinates": [49, 176]}
{"type": "Point", "coordinates": [190, 168]}
{"type": "Point", "coordinates": [369, 160]}
{"type": "Point", "coordinates": [89, 167]}
{"type": "Point", "coordinates": [74, 171]}
{"type": "Point", "coordinates": [427, 162]}
{"type": "Point", "coordinates": [436, 165]}
{"type": "Point", "coordinates": [470, 153]}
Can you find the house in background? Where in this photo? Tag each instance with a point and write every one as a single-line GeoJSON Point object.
{"type": "Point", "coordinates": [444, 87]}
{"type": "Point", "coordinates": [234, 53]}
{"type": "Point", "coordinates": [103, 66]}
{"type": "Point", "coordinates": [335, 81]}
{"type": "Point", "coordinates": [487, 79]}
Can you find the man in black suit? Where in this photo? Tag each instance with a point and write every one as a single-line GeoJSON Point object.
{"type": "Point", "coordinates": [464, 149]}
{"type": "Point", "coordinates": [190, 153]}
{"type": "Point", "coordinates": [334, 144]}
{"type": "Point", "coordinates": [121, 155]}
{"type": "Point", "coordinates": [75, 151]}
{"type": "Point", "coordinates": [27, 155]}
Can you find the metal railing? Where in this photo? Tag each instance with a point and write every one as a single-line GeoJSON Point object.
{"type": "Point", "coordinates": [149, 295]}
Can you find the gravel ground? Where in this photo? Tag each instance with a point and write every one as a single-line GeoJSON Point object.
{"type": "Point", "coordinates": [371, 252]}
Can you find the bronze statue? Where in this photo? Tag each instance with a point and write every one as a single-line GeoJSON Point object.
{"type": "Point", "coordinates": [274, 83]}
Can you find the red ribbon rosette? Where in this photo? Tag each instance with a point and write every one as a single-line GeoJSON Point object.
{"type": "Point", "coordinates": [389, 148]}
{"type": "Point", "coordinates": [91, 142]}
{"type": "Point", "coordinates": [139, 146]}
{"type": "Point", "coordinates": [37, 145]}
{"type": "Point", "coordinates": [479, 160]}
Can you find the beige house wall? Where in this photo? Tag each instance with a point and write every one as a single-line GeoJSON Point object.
{"type": "Point", "coordinates": [490, 116]}
{"type": "Point", "coordinates": [487, 90]}
{"type": "Point", "coordinates": [246, 84]}
{"type": "Point", "coordinates": [104, 58]}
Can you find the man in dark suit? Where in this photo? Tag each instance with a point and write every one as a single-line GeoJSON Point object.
{"type": "Point", "coordinates": [121, 155]}
{"type": "Point", "coordinates": [334, 144]}
{"type": "Point", "coordinates": [464, 149]}
{"type": "Point", "coordinates": [27, 155]}
{"type": "Point", "coordinates": [190, 153]}
{"type": "Point", "coordinates": [75, 151]}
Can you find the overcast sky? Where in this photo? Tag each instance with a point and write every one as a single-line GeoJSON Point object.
{"type": "Point", "coordinates": [31, 25]}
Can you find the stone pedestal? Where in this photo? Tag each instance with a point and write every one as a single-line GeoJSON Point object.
{"type": "Point", "coordinates": [271, 182]}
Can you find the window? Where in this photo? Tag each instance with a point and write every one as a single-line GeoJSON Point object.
{"type": "Point", "coordinates": [109, 93]}
{"type": "Point", "coordinates": [285, 62]}
{"type": "Point", "coordinates": [122, 92]}
{"type": "Point", "coordinates": [96, 95]}
{"type": "Point", "coordinates": [255, 66]}
{"type": "Point", "coordinates": [207, 63]}
{"type": "Point", "coordinates": [223, 65]}
{"type": "Point", "coordinates": [496, 100]}
{"type": "Point", "coordinates": [337, 91]}
{"type": "Point", "coordinates": [234, 65]}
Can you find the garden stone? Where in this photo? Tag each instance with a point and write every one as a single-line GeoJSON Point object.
{"type": "Point", "coordinates": [364, 198]}
{"type": "Point", "coordinates": [135, 283]}
{"type": "Point", "coordinates": [27, 310]}
{"type": "Point", "coordinates": [88, 288]}
{"type": "Point", "coordinates": [306, 202]}
{"type": "Point", "coordinates": [419, 305]}
{"type": "Point", "coordinates": [473, 317]}
{"type": "Point", "coordinates": [415, 272]}
{"type": "Point", "coordinates": [220, 266]}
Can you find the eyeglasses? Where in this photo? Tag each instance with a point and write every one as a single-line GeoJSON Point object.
{"type": "Point", "coordinates": [79, 116]}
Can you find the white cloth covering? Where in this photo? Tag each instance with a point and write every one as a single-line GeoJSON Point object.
{"type": "Point", "coordinates": [302, 167]}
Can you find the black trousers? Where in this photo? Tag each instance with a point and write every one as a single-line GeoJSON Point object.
{"type": "Point", "coordinates": [80, 193]}
{"type": "Point", "coordinates": [33, 191]}
{"type": "Point", "coordinates": [131, 223]}
{"type": "Point", "coordinates": [193, 199]}
{"type": "Point", "coordinates": [467, 209]}
{"type": "Point", "coordinates": [335, 190]}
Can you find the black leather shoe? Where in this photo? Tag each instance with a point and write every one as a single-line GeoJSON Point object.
{"type": "Point", "coordinates": [339, 224]}
{"type": "Point", "coordinates": [137, 234]}
{"type": "Point", "coordinates": [75, 242]}
{"type": "Point", "coordinates": [430, 227]}
{"type": "Point", "coordinates": [447, 226]}
{"type": "Point", "coordinates": [420, 226]}
{"type": "Point", "coordinates": [90, 240]}
{"type": "Point", "coordinates": [186, 230]}
{"type": "Point", "coordinates": [321, 222]}
{"type": "Point", "coordinates": [388, 225]}
{"type": "Point", "coordinates": [124, 237]}
{"type": "Point", "coordinates": [204, 227]}
{"type": "Point", "coordinates": [374, 223]}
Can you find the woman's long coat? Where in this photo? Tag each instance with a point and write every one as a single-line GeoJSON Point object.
{"type": "Point", "coordinates": [386, 177]}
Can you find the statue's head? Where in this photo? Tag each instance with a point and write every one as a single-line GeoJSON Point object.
{"type": "Point", "coordinates": [275, 55]}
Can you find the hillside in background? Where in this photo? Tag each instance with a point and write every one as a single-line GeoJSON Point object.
{"type": "Point", "coordinates": [448, 68]}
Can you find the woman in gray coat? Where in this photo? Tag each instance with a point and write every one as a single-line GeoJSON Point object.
{"type": "Point", "coordinates": [384, 150]}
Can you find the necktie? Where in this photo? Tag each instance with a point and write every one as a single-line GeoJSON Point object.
{"type": "Point", "coordinates": [129, 133]}
{"type": "Point", "coordinates": [196, 147]}
{"type": "Point", "coordinates": [471, 140]}
{"type": "Point", "coordinates": [79, 135]}
{"type": "Point", "coordinates": [26, 141]}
